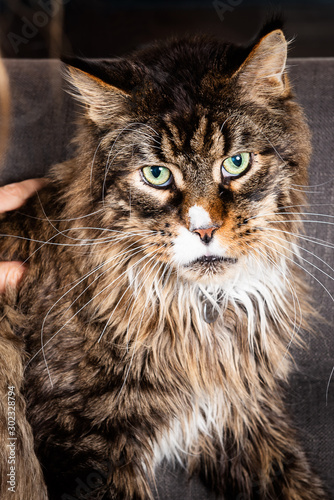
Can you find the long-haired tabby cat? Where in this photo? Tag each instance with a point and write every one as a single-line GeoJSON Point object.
{"type": "Point", "coordinates": [156, 316]}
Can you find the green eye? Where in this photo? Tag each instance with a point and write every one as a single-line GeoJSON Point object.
{"type": "Point", "coordinates": [157, 176]}
{"type": "Point", "coordinates": [236, 165]}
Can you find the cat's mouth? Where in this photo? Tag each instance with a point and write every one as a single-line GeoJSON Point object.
{"type": "Point", "coordinates": [212, 261]}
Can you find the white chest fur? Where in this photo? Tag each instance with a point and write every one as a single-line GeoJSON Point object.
{"type": "Point", "coordinates": [185, 433]}
{"type": "Point", "coordinates": [259, 290]}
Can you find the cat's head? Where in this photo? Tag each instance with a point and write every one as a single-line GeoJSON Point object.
{"type": "Point", "coordinates": [198, 146]}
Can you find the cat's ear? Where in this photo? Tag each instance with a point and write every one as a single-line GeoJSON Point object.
{"type": "Point", "coordinates": [105, 88]}
{"type": "Point", "coordinates": [263, 72]}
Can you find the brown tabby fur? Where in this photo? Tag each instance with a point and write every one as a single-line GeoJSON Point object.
{"type": "Point", "coordinates": [130, 373]}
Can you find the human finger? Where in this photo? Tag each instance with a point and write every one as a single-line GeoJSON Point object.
{"type": "Point", "coordinates": [12, 196]}
{"type": "Point", "coordinates": [10, 274]}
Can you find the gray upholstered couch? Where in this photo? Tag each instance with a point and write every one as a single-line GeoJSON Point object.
{"type": "Point", "coordinates": [42, 125]}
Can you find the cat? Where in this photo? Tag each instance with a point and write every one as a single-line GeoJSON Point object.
{"type": "Point", "coordinates": [162, 294]}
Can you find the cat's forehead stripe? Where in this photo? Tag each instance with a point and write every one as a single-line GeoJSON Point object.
{"type": "Point", "coordinates": [199, 217]}
{"type": "Point", "coordinates": [198, 135]}
{"type": "Point", "coordinates": [174, 134]}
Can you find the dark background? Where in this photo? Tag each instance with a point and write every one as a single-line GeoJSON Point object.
{"type": "Point", "coordinates": [107, 28]}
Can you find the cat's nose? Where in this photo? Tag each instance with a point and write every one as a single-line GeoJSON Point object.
{"type": "Point", "coordinates": [206, 234]}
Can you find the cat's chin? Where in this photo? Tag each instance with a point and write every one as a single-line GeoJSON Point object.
{"type": "Point", "coordinates": [209, 269]}
{"type": "Point", "coordinates": [212, 262]}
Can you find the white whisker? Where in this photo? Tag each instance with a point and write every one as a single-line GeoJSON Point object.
{"type": "Point", "coordinates": [109, 319]}
{"type": "Point", "coordinates": [303, 268]}
{"type": "Point", "coordinates": [295, 328]}
{"type": "Point", "coordinates": [308, 251]}
{"type": "Point", "coordinates": [328, 385]}
{"type": "Point", "coordinates": [43, 345]}
{"type": "Point", "coordinates": [136, 337]}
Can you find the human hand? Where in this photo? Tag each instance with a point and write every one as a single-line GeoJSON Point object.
{"type": "Point", "coordinates": [13, 196]}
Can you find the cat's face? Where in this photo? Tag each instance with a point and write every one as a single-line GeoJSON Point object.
{"type": "Point", "coordinates": [200, 153]}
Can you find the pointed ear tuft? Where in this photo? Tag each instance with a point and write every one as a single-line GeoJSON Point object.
{"type": "Point", "coordinates": [262, 74]}
{"type": "Point", "coordinates": [101, 100]}
{"type": "Point", "coordinates": [104, 87]}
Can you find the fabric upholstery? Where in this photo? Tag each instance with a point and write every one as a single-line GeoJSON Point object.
{"type": "Point", "coordinates": [41, 129]}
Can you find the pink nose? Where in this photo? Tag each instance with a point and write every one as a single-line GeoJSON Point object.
{"type": "Point", "coordinates": [206, 234]}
